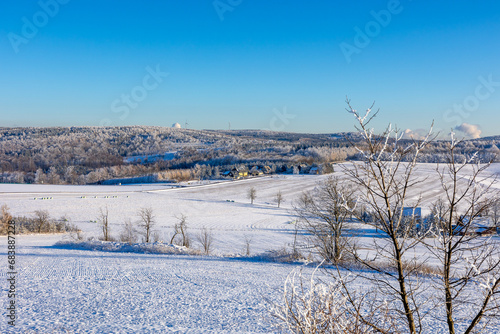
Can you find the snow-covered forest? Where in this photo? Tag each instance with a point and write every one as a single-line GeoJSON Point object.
{"type": "Point", "coordinates": [88, 155]}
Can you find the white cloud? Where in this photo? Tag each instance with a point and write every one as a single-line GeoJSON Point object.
{"type": "Point", "coordinates": [417, 134]}
{"type": "Point", "coordinates": [470, 130]}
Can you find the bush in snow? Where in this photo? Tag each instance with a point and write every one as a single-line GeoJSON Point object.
{"type": "Point", "coordinates": [111, 246]}
{"type": "Point", "coordinates": [315, 306]}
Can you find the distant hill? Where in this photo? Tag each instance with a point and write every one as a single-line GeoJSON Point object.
{"type": "Point", "coordinates": [80, 155]}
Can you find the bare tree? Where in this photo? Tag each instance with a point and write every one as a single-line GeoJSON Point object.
{"type": "Point", "coordinates": [324, 213]}
{"type": "Point", "coordinates": [469, 269]}
{"type": "Point", "coordinates": [384, 179]}
{"type": "Point", "coordinates": [467, 258]}
{"type": "Point", "coordinates": [41, 219]}
{"type": "Point", "coordinates": [103, 221]}
{"type": "Point", "coordinates": [279, 198]}
{"type": "Point", "coordinates": [129, 233]}
{"type": "Point", "coordinates": [180, 229]}
{"type": "Point", "coordinates": [246, 245]}
{"type": "Point", "coordinates": [252, 194]}
{"type": "Point", "coordinates": [205, 238]}
{"type": "Point", "coordinates": [147, 222]}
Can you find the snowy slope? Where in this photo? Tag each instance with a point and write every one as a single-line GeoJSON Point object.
{"type": "Point", "coordinates": [78, 291]}
{"type": "Point", "coordinates": [208, 206]}
{"type": "Point", "coordinates": [74, 291]}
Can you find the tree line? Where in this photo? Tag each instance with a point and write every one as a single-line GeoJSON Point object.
{"type": "Point", "coordinates": [88, 155]}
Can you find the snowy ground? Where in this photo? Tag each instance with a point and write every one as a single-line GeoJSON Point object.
{"type": "Point", "coordinates": [78, 291]}
{"type": "Point", "coordinates": [61, 290]}
{"type": "Point", "coordinates": [222, 207]}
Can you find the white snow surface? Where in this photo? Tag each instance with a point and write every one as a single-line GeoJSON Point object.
{"type": "Point", "coordinates": [78, 291]}
{"type": "Point", "coordinates": [68, 290]}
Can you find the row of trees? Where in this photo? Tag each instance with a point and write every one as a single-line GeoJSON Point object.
{"type": "Point", "coordinates": [145, 228]}
{"type": "Point", "coordinates": [41, 222]}
{"type": "Point", "coordinates": [129, 233]}
{"type": "Point", "coordinates": [82, 155]}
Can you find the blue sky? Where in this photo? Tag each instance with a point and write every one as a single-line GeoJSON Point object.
{"type": "Point", "coordinates": [279, 65]}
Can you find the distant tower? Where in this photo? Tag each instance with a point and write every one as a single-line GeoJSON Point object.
{"type": "Point", "coordinates": [229, 126]}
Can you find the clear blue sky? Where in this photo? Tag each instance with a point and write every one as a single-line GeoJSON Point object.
{"type": "Point", "coordinates": [281, 65]}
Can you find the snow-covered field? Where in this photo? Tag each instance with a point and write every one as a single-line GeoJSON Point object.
{"type": "Point", "coordinates": [64, 290]}
{"type": "Point", "coordinates": [75, 291]}
{"type": "Point", "coordinates": [222, 207]}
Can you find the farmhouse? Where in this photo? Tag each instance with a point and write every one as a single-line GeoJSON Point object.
{"type": "Point", "coordinates": [255, 171]}
{"type": "Point", "coordinates": [236, 173]}
{"type": "Point", "coordinates": [314, 170]}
